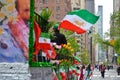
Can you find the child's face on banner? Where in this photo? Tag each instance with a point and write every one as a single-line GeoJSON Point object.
{"type": "Point", "coordinates": [24, 9]}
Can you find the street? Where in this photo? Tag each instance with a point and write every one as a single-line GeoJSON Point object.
{"type": "Point", "coordinates": [109, 75]}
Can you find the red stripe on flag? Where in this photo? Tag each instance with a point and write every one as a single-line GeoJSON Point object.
{"type": "Point", "coordinates": [37, 31]}
{"type": "Point", "coordinates": [70, 26]}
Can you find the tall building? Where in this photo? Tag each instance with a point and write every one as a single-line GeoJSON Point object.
{"type": "Point", "coordinates": [116, 5]}
{"type": "Point", "coordinates": [100, 21]}
{"type": "Point", "coordinates": [80, 37]}
{"type": "Point", "coordinates": [85, 39]}
{"type": "Point", "coordinates": [75, 4]}
{"type": "Point", "coordinates": [99, 52]}
{"type": "Point", "coordinates": [59, 8]}
{"type": "Point", "coordinates": [90, 6]}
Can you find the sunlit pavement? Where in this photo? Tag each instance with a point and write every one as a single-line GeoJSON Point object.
{"type": "Point", "coordinates": [109, 75]}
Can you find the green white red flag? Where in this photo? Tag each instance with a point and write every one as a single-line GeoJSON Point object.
{"type": "Point", "coordinates": [55, 75]}
{"type": "Point", "coordinates": [37, 31]}
{"type": "Point", "coordinates": [63, 74]}
{"type": "Point", "coordinates": [47, 49]}
{"type": "Point", "coordinates": [74, 70]}
{"type": "Point", "coordinates": [78, 21]}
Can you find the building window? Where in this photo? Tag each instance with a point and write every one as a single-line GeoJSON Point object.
{"type": "Point", "coordinates": [46, 1]}
{"type": "Point", "coordinates": [58, 16]}
{"type": "Point", "coordinates": [41, 1]}
{"type": "Point", "coordinates": [57, 1]}
{"type": "Point", "coordinates": [58, 9]}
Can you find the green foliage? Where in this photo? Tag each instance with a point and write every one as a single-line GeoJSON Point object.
{"type": "Point", "coordinates": [43, 20]}
{"type": "Point", "coordinates": [117, 45]}
{"type": "Point", "coordinates": [74, 44]}
{"type": "Point", "coordinates": [84, 56]}
{"type": "Point", "coordinates": [102, 43]}
{"type": "Point", "coordinates": [97, 38]}
{"type": "Point", "coordinates": [115, 32]}
{"type": "Point", "coordinates": [65, 52]}
{"type": "Point", "coordinates": [66, 62]}
{"type": "Point", "coordinates": [46, 13]}
{"type": "Point", "coordinates": [70, 36]}
{"type": "Point", "coordinates": [115, 27]}
{"type": "Point", "coordinates": [118, 60]}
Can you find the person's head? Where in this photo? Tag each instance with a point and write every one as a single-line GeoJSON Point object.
{"type": "Point", "coordinates": [23, 8]}
{"type": "Point", "coordinates": [89, 66]}
{"type": "Point", "coordinates": [83, 66]}
{"type": "Point", "coordinates": [55, 28]}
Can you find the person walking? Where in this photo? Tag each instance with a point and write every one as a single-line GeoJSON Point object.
{"type": "Point", "coordinates": [82, 72]}
{"type": "Point", "coordinates": [108, 67]}
{"type": "Point", "coordinates": [100, 67]}
{"type": "Point", "coordinates": [88, 73]}
{"type": "Point", "coordinates": [103, 71]}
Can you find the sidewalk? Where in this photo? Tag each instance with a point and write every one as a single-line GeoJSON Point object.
{"type": "Point", "coordinates": [14, 71]}
{"type": "Point", "coordinates": [109, 75]}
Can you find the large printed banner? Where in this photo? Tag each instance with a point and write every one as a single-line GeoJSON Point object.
{"type": "Point", "coordinates": [14, 30]}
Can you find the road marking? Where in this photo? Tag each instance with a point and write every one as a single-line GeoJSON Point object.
{"type": "Point", "coordinates": [117, 76]}
{"type": "Point", "coordinates": [112, 76]}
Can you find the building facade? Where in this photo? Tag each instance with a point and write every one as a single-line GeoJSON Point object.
{"type": "Point", "coordinates": [80, 37]}
{"type": "Point", "coordinates": [90, 6]}
{"type": "Point", "coordinates": [116, 5]}
{"type": "Point", "coordinates": [59, 8]}
{"type": "Point", "coordinates": [99, 51]}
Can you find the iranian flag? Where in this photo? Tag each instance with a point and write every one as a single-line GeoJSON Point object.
{"type": "Point", "coordinates": [45, 44]}
{"type": "Point", "coordinates": [54, 75]}
{"type": "Point", "coordinates": [74, 70]}
{"type": "Point", "coordinates": [71, 70]}
{"type": "Point", "coordinates": [63, 74]}
{"type": "Point", "coordinates": [77, 60]}
{"type": "Point", "coordinates": [78, 21]}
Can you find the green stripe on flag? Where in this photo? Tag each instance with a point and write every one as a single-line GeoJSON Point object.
{"type": "Point", "coordinates": [85, 15]}
{"type": "Point", "coordinates": [77, 58]}
{"type": "Point", "coordinates": [45, 35]}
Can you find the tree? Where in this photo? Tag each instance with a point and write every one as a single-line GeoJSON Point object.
{"type": "Point", "coordinates": [115, 32]}
{"type": "Point", "coordinates": [84, 56]}
{"type": "Point", "coordinates": [43, 20]}
{"type": "Point", "coordinates": [115, 24]}
{"type": "Point", "coordinates": [117, 49]}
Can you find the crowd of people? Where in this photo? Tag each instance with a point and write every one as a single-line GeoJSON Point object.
{"type": "Point", "coordinates": [86, 72]}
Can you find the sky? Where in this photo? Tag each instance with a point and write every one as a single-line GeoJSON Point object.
{"type": "Point", "coordinates": [107, 10]}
